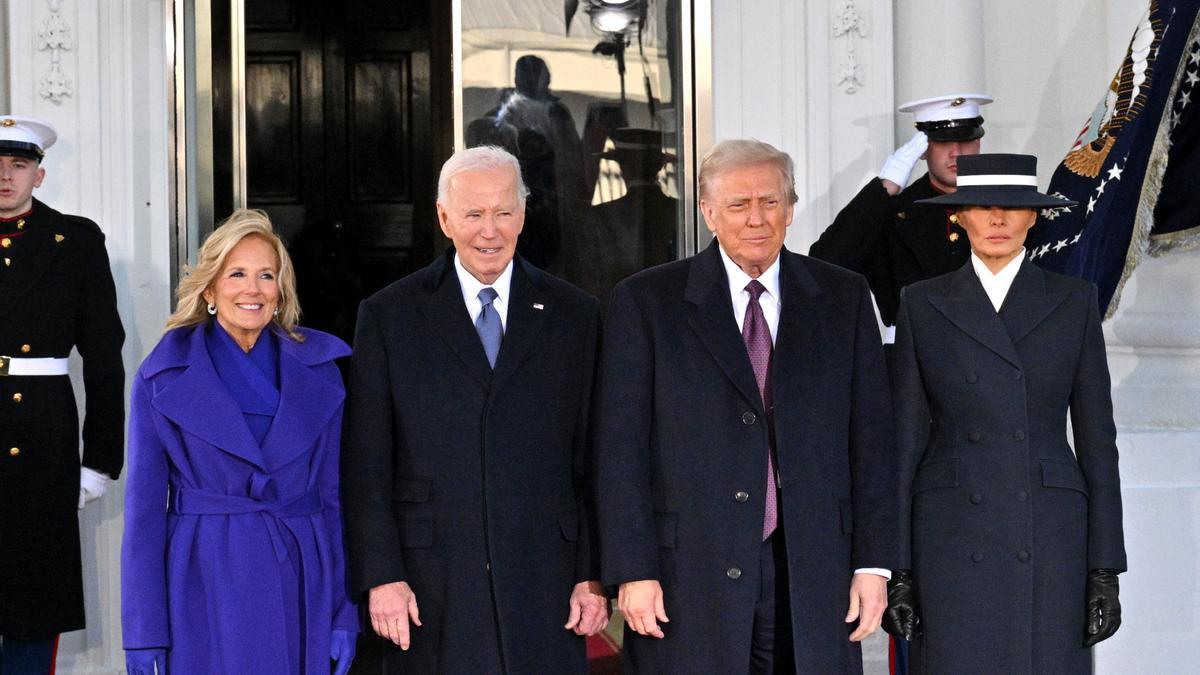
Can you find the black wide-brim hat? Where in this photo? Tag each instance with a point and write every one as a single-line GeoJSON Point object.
{"type": "Point", "coordinates": [998, 180]}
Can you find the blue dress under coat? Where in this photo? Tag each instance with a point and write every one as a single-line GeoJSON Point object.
{"type": "Point", "coordinates": [233, 557]}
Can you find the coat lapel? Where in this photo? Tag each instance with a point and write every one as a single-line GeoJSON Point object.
{"type": "Point", "coordinates": [1027, 303]}
{"type": "Point", "coordinates": [968, 307]}
{"type": "Point", "coordinates": [528, 309]}
{"type": "Point", "coordinates": [798, 320]}
{"type": "Point", "coordinates": [39, 248]}
{"type": "Point", "coordinates": [445, 310]}
{"type": "Point", "coordinates": [711, 316]}
{"type": "Point", "coordinates": [198, 402]}
{"type": "Point", "coordinates": [306, 402]}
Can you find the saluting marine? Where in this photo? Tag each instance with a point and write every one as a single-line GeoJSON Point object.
{"type": "Point", "coordinates": [883, 233]}
{"type": "Point", "coordinates": [56, 293]}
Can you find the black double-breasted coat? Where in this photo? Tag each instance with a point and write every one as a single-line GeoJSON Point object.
{"type": "Point", "coordinates": [56, 294]}
{"type": "Point", "coordinates": [682, 460]}
{"type": "Point", "coordinates": [1006, 520]}
{"type": "Point", "coordinates": [471, 484]}
{"type": "Point", "coordinates": [893, 241]}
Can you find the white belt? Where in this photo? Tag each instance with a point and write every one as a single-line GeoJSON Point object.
{"type": "Point", "coordinates": [18, 366]}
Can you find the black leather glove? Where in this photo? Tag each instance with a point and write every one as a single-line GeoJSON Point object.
{"type": "Point", "coordinates": [900, 618]}
{"type": "Point", "coordinates": [1103, 606]}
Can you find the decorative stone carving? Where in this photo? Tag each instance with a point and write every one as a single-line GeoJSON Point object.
{"type": "Point", "coordinates": [848, 20]}
{"type": "Point", "coordinates": [55, 37]}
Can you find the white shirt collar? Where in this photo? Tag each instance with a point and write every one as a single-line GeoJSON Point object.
{"type": "Point", "coordinates": [471, 287]}
{"type": "Point", "coordinates": [997, 285]}
{"type": "Point", "coordinates": [770, 301]}
{"type": "Point", "coordinates": [738, 277]}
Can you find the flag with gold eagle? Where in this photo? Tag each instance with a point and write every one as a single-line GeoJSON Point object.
{"type": "Point", "coordinates": [1133, 166]}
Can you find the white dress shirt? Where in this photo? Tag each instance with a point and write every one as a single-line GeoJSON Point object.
{"type": "Point", "coordinates": [769, 301]}
{"type": "Point", "coordinates": [471, 287]}
{"type": "Point", "coordinates": [771, 305]}
{"type": "Point", "coordinates": [996, 285]}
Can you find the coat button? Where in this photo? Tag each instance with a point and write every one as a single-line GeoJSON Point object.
{"type": "Point", "coordinates": [1022, 496]}
{"type": "Point", "coordinates": [973, 437]}
{"type": "Point", "coordinates": [1017, 375]}
{"type": "Point", "coordinates": [1023, 556]}
{"type": "Point", "coordinates": [14, 451]}
{"type": "Point", "coordinates": [741, 496]}
{"type": "Point", "coordinates": [749, 418]}
{"type": "Point", "coordinates": [1019, 435]}
{"type": "Point", "coordinates": [17, 397]}
{"type": "Point", "coordinates": [6, 242]}
{"type": "Point", "coordinates": [25, 349]}
{"type": "Point", "coordinates": [972, 378]}
{"type": "Point", "coordinates": [733, 573]}
{"type": "Point", "coordinates": [977, 557]}
{"type": "Point", "coordinates": [976, 498]}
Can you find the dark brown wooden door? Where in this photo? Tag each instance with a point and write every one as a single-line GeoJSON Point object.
{"type": "Point", "coordinates": [341, 143]}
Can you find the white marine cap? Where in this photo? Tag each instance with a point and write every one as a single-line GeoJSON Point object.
{"type": "Point", "coordinates": [953, 117]}
{"type": "Point", "coordinates": [25, 137]}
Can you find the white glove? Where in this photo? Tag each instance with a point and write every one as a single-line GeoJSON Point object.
{"type": "Point", "coordinates": [900, 163]}
{"type": "Point", "coordinates": [91, 485]}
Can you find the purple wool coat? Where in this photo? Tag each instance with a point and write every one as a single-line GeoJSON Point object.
{"type": "Point", "coordinates": [229, 545]}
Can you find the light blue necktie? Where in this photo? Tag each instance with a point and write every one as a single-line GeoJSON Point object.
{"type": "Point", "coordinates": [488, 325]}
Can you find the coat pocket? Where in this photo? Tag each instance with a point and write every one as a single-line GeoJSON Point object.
{"type": "Point", "coordinates": [410, 490]}
{"type": "Point", "coordinates": [846, 507]}
{"type": "Point", "coordinates": [942, 473]}
{"type": "Point", "coordinates": [1063, 474]}
{"type": "Point", "coordinates": [666, 523]}
{"type": "Point", "coordinates": [569, 524]}
{"type": "Point", "coordinates": [416, 533]}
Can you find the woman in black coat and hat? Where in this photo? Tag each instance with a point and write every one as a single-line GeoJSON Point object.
{"type": "Point", "coordinates": [1012, 537]}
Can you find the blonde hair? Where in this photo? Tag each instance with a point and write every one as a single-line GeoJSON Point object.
{"type": "Point", "coordinates": [742, 152]}
{"type": "Point", "coordinates": [191, 308]}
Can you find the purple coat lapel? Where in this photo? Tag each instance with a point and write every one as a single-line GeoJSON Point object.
{"type": "Point", "coordinates": [197, 398]}
{"type": "Point", "coordinates": [307, 400]}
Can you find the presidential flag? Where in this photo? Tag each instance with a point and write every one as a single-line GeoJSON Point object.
{"type": "Point", "coordinates": [1132, 166]}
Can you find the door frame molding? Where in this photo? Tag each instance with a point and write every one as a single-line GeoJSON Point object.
{"type": "Point", "coordinates": [189, 31]}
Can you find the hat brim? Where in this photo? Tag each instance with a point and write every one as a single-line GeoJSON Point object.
{"type": "Point", "coordinates": [954, 134]}
{"type": "Point", "coordinates": [21, 149]}
{"type": "Point", "coordinates": [1004, 197]}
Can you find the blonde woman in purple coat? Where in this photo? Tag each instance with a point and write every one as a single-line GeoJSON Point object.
{"type": "Point", "coordinates": [232, 560]}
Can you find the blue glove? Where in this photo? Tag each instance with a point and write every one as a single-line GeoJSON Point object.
{"type": "Point", "coordinates": [143, 661]}
{"type": "Point", "coordinates": [341, 650]}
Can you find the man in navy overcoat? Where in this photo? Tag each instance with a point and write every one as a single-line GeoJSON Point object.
{"type": "Point", "coordinates": [464, 466]}
{"type": "Point", "coordinates": [744, 468]}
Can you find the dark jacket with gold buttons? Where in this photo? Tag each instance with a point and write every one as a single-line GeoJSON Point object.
{"type": "Point", "coordinates": [892, 241]}
{"type": "Point", "coordinates": [1006, 520]}
{"type": "Point", "coordinates": [56, 293]}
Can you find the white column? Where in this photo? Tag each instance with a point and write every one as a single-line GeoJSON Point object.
{"type": "Point", "coordinates": [110, 165]}
{"type": "Point", "coordinates": [4, 101]}
{"type": "Point", "coordinates": [813, 78]}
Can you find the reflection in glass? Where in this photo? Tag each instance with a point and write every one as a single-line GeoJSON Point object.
{"type": "Point", "coordinates": [548, 81]}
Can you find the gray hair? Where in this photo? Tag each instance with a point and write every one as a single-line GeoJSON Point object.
{"type": "Point", "coordinates": [481, 158]}
{"type": "Point", "coordinates": [742, 152]}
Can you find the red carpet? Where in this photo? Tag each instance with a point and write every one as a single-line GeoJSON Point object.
{"type": "Point", "coordinates": [604, 648]}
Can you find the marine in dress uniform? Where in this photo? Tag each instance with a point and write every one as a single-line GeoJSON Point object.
{"type": "Point", "coordinates": [883, 233]}
{"type": "Point", "coordinates": [56, 293]}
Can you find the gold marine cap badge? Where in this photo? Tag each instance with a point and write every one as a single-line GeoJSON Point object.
{"type": "Point", "coordinates": [9, 122]}
{"type": "Point", "coordinates": [957, 102]}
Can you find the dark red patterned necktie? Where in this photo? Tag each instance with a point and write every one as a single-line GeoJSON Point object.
{"type": "Point", "coordinates": [757, 337]}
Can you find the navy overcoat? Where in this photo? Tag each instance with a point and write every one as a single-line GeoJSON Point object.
{"type": "Point", "coordinates": [469, 483]}
{"type": "Point", "coordinates": [1006, 520]}
{"type": "Point", "coordinates": [682, 434]}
